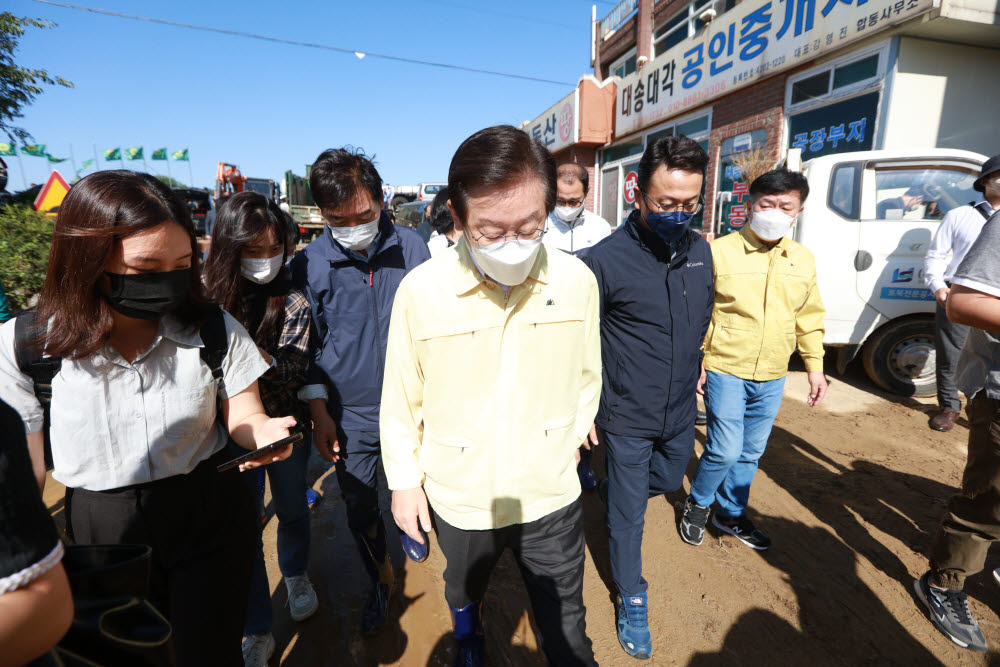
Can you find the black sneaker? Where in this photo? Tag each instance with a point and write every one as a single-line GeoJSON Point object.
{"type": "Point", "coordinates": [376, 609]}
{"type": "Point", "coordinates": [949, 612]}
{"type": "Point", "coordinates": [693, 522]}
{"type": "Point", "coordinates": [742, 529]}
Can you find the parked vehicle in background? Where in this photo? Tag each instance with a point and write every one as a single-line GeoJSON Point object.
{"type": "Point", "coordinates": [870, 241]}
{"type": "Point", "coordinates": [402, 194]}
{"type": "Point", "coordinates": [301, 206]}
{"type": "Point", "coordinates": [196, 199]}
{"type": "Point", "coordinates": [264, 186]}
{"type": "Point", "coordinates": [414, 215]}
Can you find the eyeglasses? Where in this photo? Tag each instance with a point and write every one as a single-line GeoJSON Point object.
{"type": "Point", "coordinates": [693, 209]}
{"type": "Point", "coordinates": [569, 202]}
{"type": "Point", "coordinates": [521, 238]}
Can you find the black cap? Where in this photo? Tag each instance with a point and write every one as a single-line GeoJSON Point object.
{"type": "Point", "coordinates": [990, 166]}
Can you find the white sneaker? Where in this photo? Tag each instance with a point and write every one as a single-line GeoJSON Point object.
{"type": "Point", "coordinates": [302, 601]}
{"type": "Point", "coordinates": [257, 650]}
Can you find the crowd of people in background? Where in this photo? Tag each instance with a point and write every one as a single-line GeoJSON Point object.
{"type": "Point", "coordinates": [480, 369]}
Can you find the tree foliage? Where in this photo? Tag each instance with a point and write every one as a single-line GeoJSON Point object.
{"type": "Point", "coordinates": [19, 86]}
{"type": "Point", "coordinates": [170, 181]}
{"type": "Point", "coordinates": [25, 236]}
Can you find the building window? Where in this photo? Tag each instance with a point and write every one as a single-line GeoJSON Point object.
{"type": "Point", "coordinates": [834, 108]}
{"type": "Point", "coordinates": [835, 80]}
{"type": "Point", "coordinates": [686, 23]}
{"type": "Point", "coordinates": [624, 65]}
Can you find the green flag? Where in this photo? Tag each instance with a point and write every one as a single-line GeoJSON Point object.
{"type": "Point", "coordinates": [36, 150]}
{"type": "Point", "coordinates": [8, 149]}
{"type": "Point", "coordinates": [133, 153]}
{"type": "Point", "coordinates": [181, 155]}
{"type": "Point", "coordinates": [112, 154]}
{"type": "Point", "coordinates": [86, 165]}
{"type": "Point", "coordinates": [160, 154]}
{"type": "Point", "coordinates": [55, 160]}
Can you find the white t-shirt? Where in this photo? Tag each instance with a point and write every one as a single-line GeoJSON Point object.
{"type": "Point", "coordinates": [438, 244]}
{"type": "Point", "coordinates": [584, 232]}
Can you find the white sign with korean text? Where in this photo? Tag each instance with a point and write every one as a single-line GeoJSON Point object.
{"type": "Point", "coordinates": [750, 42]}
{"type": "Point", "coordinates": [558, 127]}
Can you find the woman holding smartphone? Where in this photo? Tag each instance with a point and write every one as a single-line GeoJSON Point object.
{"type": "Point", "coordinates": [136, 428]}
{"type": "Point", "coordinates": [246, 274]}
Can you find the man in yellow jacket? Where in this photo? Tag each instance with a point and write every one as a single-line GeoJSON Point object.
{"type": "Point", "coordinates": [766, 304]}
{"type": "Point", "coordinates": [492, 380]}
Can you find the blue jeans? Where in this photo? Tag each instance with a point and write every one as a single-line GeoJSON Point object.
{"type": "Point", "coordinates": [638, 469]}
{"type": "Point", "coordinates": [288, 492]}
{"type": "Point", "coordinates": [740, 416]}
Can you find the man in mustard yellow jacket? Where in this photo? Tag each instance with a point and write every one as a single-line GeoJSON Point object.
{"type": "Point", "coordinates": [492, 380]}
{"type": "Point", "coordinates": [767, 304]}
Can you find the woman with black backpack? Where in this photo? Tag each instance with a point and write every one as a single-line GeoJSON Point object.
{"type": "Point", "coordinates": [139, 417]}
{"type": "Point", "coordinates": [246, 274]}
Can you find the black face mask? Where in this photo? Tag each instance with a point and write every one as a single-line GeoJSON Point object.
{"type": "Point", "coordinates": [148, 296]}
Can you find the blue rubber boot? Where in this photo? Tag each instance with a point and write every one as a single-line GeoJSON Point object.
{"type": "Point", "coordinates": [633, 625]}
{"type": "Point", "coordinates": [468, 635]}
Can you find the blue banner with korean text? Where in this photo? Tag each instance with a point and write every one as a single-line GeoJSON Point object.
{"type": "Point", "coordinates": [752, 41]}
{"type": "Point", "coordinates": [840, 127]}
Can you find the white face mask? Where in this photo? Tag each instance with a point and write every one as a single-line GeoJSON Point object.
{"type": "Point", "coordinates": [261, 270]}
{"type": "Point", "coordinates": [507, 263]}
{"type": "Point", "coordinates": [771, 225]}
{"type": "Point", "coordinates": [355, 238]}
{"type": "Point", "coordinates": [568, 213]}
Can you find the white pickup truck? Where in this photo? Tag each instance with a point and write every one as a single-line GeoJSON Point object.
{"type": "Point", "coordinates": [869, 220]}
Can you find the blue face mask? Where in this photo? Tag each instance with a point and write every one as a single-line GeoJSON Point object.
{"type": "Point", "coordinates": [669, 226]}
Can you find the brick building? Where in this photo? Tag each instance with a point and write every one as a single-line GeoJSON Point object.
{"type": "Point", "coordinates": [825, 76]}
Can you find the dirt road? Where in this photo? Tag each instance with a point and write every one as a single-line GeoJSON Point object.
{"type": "Point", "coordinates": [851, 493]}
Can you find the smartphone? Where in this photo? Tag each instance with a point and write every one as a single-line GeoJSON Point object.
{"type": "Point", "coordinates": [261, 452]}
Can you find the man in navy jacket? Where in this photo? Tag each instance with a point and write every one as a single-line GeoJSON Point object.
{"type": "Point", "coordinates": [654, 275]}
{"type": "Point", "coordinates": [349, 276]}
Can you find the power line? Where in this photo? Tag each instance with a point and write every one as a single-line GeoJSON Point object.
{"type": "Point", "coordinates": [312, 45]}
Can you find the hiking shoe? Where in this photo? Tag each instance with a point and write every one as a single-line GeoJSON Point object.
{"type": "Point", "coordinates": [632, 613]}
{"type": "Point", "coordinates": [693, 522]}
{"type": "Point", "coordinates": [257, 650]}
{"type": "Point", "coordinates": [742, 529]}
{"type": "Point", "coordinates": [302, 601]}
{"type": "Point", "coordinates": [949, 612]}
{"type": "Point", "coordinates": [376, 609]}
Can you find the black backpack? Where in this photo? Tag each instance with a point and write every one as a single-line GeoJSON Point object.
{"type": "Point", "coordinates": [42, 369]}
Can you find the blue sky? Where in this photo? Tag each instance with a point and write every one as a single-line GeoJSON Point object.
{"type": "Point", "coordinates": [270, 107]}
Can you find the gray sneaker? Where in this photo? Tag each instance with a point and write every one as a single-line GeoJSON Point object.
{"type": "Point", "coordinates": [302, 601]}
{"type": "Point", "coordinates": [257, 650]}
{"type": "Point", "coordinates": [693, 522]}
{"type": "Point", "coordinates": [949, 612]}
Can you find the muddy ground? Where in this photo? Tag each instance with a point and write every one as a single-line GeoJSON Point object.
{"type": "Point", "coordinates": [850, 492]}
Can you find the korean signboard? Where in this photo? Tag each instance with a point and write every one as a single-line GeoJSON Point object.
{"type": "Point", "coordinates": [751, 41]}
{"type": "Point", "coordinates": [835, 128]}
{"type": "Point", "coordinates": [559, 126]}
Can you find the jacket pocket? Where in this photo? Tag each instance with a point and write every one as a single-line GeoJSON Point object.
{"type": "Point", "coordinates": [557, 428]}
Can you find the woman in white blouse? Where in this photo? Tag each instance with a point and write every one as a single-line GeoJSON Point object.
{"type": "Point", "coordinates": [136, 429]}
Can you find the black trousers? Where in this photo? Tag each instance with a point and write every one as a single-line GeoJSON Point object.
{"type": "Point", "coordinates": [550, 555]}
{"type": "Point", "coordinates": [949, 338]}
{"type": "Point", "coordinates": [201, 527]}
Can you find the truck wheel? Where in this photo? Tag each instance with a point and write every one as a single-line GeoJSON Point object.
{"type": "Point", "coordinates": [900, 358]}
{"type": "Point", "coordinates": [398, 201]}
